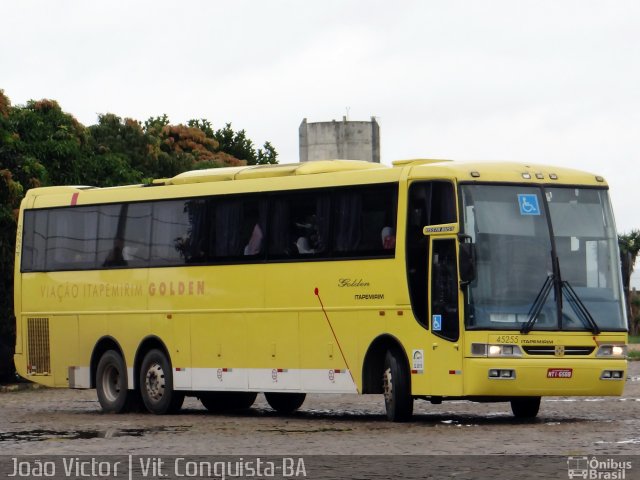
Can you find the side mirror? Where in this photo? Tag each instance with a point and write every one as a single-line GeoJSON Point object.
{"type": "Point", "coordinates": [467, 261]}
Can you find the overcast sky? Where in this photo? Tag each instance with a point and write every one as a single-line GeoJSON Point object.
{"type": "Point", "coordinates": [539, 81]}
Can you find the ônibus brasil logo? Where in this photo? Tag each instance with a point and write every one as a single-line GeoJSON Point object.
{"type": "Point", "coordinates": [596, 468]}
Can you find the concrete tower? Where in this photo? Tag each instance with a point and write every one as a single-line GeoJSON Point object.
{"type": "Point", "coordinates": [345, 140]}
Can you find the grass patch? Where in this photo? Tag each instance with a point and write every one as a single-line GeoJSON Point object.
{"type": "Point", "coordinates": [634, 339]}
{"type": "Point", "coordinates": [634, 355]}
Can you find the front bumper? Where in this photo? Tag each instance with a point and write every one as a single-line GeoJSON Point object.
{"type": "Point", "coordinates": [535, 377]}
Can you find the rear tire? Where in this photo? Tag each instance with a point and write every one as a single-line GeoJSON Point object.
{"type": "Point", "coordinates": [285, 402]}
{"type": "Point", "coordinates": [396, 386]}
{"type": "Point", "coordinates": [156, 384]}
{"type": "Point", "coordinates": [111, 383]}
{"type": "Point", "coordinates": [525, 407]}
{"type": "Point", "coordinates": [227, 401]}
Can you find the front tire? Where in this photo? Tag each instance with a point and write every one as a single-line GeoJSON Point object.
{"type": "Point", "coordinates": [525, 408]}
{"type": "Point", "coordinates": [396, 386]}
{"type": "Point", "coordinates": [156, 384]}
{"type": "Point", "coordinates": [285, 403]}
{"type": "Point", "coordinates": [227, 401]}
{"type": "Point", "coordinates": [111, 383]}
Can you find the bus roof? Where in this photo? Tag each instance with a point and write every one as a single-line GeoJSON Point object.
{"type": "Point", "coordinates": [265, 171]}
{"type": "Point", "coordinates": [327, 171]}
{"type": "Point", "coordinates": [508, 172]}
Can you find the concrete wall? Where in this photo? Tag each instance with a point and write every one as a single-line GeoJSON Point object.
{"type": "Point", "coordinates": [345, 140]}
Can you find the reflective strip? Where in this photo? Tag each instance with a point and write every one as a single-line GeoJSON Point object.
{"type": "Point", "coordinates": [245, 379]}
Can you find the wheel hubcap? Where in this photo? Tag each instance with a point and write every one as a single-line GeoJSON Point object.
{"type": "Point", "coordinates": [155, 382]}
{"type": "Point", "coordinates": [111, 383]}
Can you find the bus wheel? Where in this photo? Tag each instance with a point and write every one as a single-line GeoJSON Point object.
{"type": "Point", "coordinates": [227, 401]}
{"type": "Point", "coordinates": [285, 402]}
{"type": "Point", "coordinates": [397, 390]}
{"type": "Point", "coordinates": [525, 407]}
{"type": "Point", "coordinates": [156, 384]}
{"type": "Point", "coordinates": [111, 383]}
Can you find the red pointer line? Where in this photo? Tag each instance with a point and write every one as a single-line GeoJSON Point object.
{"type": "Point", "coordinates": [317, 293]}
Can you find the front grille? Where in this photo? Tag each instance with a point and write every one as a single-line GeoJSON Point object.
{"type": "Point", "coordinates": [551, 350]}
{"type": "Point", "coordinates": [39, 355]}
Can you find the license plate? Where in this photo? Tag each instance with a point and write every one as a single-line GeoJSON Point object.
{"type": "Point", "coordinates": [560, 373]}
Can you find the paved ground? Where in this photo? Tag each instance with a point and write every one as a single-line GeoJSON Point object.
{"type": "Point", "coordinates": [70, 422]}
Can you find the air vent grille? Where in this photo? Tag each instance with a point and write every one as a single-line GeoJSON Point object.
{"type": "Point", "coordinates": [38, 343]}
{"type": "Point", "coordinates": [559, 352]}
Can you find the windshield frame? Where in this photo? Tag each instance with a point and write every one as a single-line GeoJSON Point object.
{"type": "Point", "coordinates": [557, 296]}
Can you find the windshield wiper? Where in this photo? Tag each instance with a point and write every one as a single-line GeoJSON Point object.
{"type": "Point", "coordinates": [538, 303]}
{"type": "Point", "coordinates": [579, 307]}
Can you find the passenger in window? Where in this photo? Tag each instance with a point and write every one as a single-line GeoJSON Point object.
{"type": "Point", "coordinates": [303, 246]}
{"type": "Point", "coordinates": [254, 245]}
{"type": "Point", "coordinates": [308, 240]}
{"type": "Point", "coordinates": [388, 238]}
{"type": "Point", "coordinates": [115, 258]}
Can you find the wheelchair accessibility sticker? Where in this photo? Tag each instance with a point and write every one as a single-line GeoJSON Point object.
{"type": "Point", "coordinates": [528, 204]}
{"type": "Point", "coordinates": [436, 323]}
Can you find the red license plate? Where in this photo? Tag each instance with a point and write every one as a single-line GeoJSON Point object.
{"type": "Point", "coordinates": [560, 373]}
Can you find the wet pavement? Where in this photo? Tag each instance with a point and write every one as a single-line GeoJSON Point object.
{"type": "Point", "coordinates": [48, 421]}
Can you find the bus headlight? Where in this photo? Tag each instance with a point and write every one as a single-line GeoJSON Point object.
{"type": "Point", "coordinates": [489, 350]}
{"type": "Point", "coordinates": [616, 351]}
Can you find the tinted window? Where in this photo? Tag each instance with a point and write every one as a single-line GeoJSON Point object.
{"type": "Point", "coordinates": [123, 235]}
{"type": "Point", "coordinates": [364, 221]}
{"type": "Point", "coordinates": [299, 225]}
{"type": "Point", "coordinates": [240, 227]}
{"type": "Point", "coordinates": [72, 238]}
{"type": "Point", "coordinates": [170, 233]}
{"type": "Point", "coordinates": [137, 233]}
{"type": "Point", "coordinates": [34, 240]}
{"type": "Point", "coordinates": [345, 222]}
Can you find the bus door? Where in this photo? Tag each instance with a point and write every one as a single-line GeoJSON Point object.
{"type": "Point", "coordinates": [445, 344]}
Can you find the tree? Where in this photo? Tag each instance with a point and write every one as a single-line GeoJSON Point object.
{"type": "Point", "coordinates": [268, 155]}
{"type": "Point", "coordinates": [50, 138]}
{"type": "Point", "coordinates": [629, 248]}
{"type": "Point", "coordinates": [120, 152]}
{"type": "Point", "coordinates": [42, 145]}
{"type": "Point", "coordinates": [241, 147]}
{"type": "Point", "coordinates": [10, 195]}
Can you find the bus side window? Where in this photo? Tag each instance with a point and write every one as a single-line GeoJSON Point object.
{"type": "Point", "coordinates": [240, 228]}
{"type": "Point", "coordinates": [111, 222]}
{"type": "Point", "coordinates": [137, 234]}
{"type": "Point", "coordinates": [170, 233]}
{"type": "Point", "coordinates": [34, 240]}
{"type": "Point", "coordinates": [72, 239]}
{"type": "Point", "coordinates": [299, 225]}
{"type": "Point", "coordinates": [360, 215]}
{"type": "Point", "coordinates": [253, 226]}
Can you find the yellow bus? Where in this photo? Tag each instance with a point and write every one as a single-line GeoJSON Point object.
{"type": "Point", "coordinates": [430, 279]}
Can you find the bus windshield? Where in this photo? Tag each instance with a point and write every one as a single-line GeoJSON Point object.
{"type": "Point", "coordinates": [511, 227]}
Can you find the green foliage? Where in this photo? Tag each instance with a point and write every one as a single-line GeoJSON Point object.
{"type": "Point", "coordinates": [42, 145]}
{"type": "Point", "coordinates": [204, 125]}
{"type": "Point", "coordinates": [629, 247]}
{"type": "Point", "coordinates": [53, 138]}
{"type": "Point", "coordinates": [268, 155]}
{"type": "Point", "coordinates": [634, 355]}
{"type": "Point", "coordinates": [238, 145]}
{"type": "Point", "coordinates": [10, 194]}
